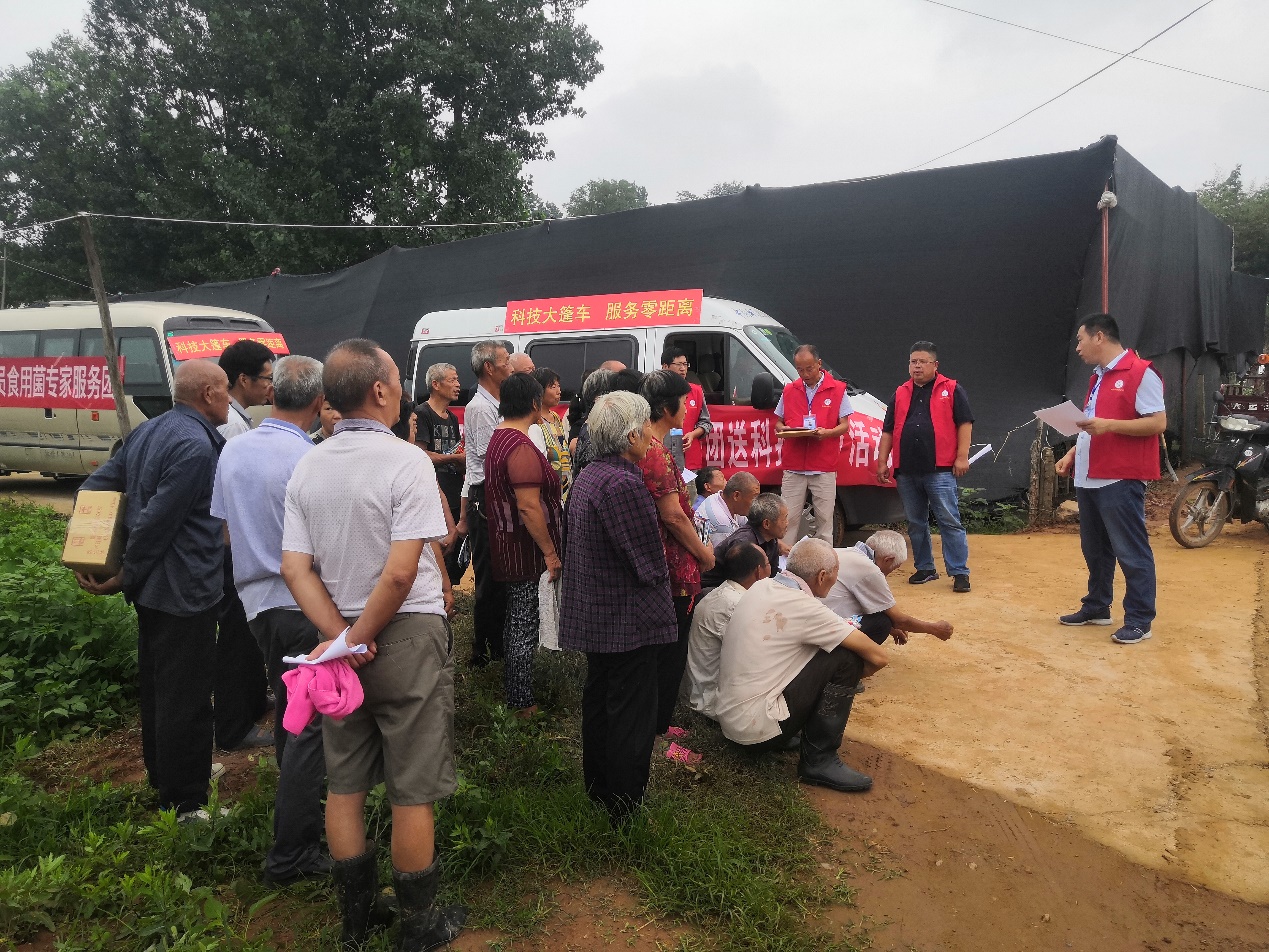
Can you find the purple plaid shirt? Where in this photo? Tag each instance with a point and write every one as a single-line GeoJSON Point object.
{"type": "Point", "coordinates": [616, 589]}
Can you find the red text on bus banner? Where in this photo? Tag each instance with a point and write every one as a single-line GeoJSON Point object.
{"type": "Point", "coordinates": [604, 311]}
{"type": "Point", "coordinates": [194, 346]}
{"type": "Point", "coordinates": [56, 383]}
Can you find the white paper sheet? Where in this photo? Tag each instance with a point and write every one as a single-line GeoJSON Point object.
{"type": "Point", "coordinates": [688, 476]}
{"type": "Point", "coordinates": [338, 649]}
{"type": "Point", "coordinates": [1064, 417]}
{"type": "Point", "coordinates": [980, 454]}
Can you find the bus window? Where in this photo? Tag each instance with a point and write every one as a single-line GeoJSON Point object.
{"type": "Point", "coordinates": [572, 357]}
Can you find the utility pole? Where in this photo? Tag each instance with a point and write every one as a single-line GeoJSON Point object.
{"type": "Point", "coordinates": [107, 329]}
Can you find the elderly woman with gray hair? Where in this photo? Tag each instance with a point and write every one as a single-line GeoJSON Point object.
{"type": "Point", "coordinates": [615, 604]}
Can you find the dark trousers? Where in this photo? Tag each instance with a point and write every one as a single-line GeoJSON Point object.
{"type": "Point", "coordinates": [876, 625]}
{"type": "Point", "coordinates": [619, 712]}
{"type": "Point", "coordinates": [176, 656]}
{"type": "Point", "coordinates": [840, 667]}
{"type": "Point", "coordinates": [1113, 529]}
{"type": "Point", "coordinates": [241, 683]}
{"type": "Point", "coordinates": [489, 613]}
{"type": "Point", "coordinates": [671, 662]}
{"type": "Point", "coordinates": [297, 813]}
{"type": "Point", "coordinates": [452, 487]}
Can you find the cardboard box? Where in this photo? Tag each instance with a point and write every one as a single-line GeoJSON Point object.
{"type": "Point", "coordinates": [94, 539]}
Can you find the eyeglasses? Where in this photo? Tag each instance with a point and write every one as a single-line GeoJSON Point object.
{"type": "Point", "coordinates": [265, 377]}
{"type": "Point", "coordinates": [678, 363]}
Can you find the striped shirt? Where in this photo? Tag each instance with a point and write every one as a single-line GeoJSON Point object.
{"type": "Point", "coordinates": [512, 462]}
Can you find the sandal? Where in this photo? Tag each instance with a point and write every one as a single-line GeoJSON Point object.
{"type": "Point", "coordinates": [682, 755]}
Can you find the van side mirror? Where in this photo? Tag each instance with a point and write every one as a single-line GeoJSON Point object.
{"type": "Point", "coordinates": [1219, 396]}
{"type": "Point", "coordinates": [764, 395]}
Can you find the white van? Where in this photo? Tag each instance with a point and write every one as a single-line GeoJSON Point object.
{"type": "Point", "coordinates": [741, 357]}
{"type": "Point", "coordinates": [53, 433]}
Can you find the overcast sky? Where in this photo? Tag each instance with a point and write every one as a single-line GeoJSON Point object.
{"type": "Point", "coordinates": [784, 93]}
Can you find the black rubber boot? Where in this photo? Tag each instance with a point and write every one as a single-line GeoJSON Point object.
{"type": "Point", "coordinates": [358, 882]}
{"type": "Point", "coordinates": [423, 926]}
{"type": "Point", "coordinates": [822, 736]}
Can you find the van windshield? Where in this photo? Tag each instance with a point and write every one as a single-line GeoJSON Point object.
{"type": "Point", "coordinates": [779, 346]}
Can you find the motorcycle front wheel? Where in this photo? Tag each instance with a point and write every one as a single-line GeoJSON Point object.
{"type": "Point", "coordinates": [1197, 518]}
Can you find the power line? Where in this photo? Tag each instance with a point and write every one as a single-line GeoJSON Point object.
{"type": "Point", "coordinates": [1120, 59]}
{"type": "Point", "coordinates": [49, 273]}
{"type": "Point", "coordinates": [35, 224]}
{"type": "Point", "coordinates": [274, 224]}
{"type": "Point", "coordinates": [1092, 46]}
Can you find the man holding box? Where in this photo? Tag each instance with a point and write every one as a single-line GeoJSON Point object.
{"type": "Point", "coordinates": [173, 565]}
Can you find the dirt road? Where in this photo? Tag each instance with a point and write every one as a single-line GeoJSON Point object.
{"type": "Point", "coordinates": [1157, 750]}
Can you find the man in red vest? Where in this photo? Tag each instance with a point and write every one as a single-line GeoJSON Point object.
{"type": "Point", "coordinates": [928, 427]}
{"type": "Point", "coordinates": [1115, 453]}
{"type": "Point", "coordinates": [690, 453]}
{"type": "Point", "coordinates": [811, 416]}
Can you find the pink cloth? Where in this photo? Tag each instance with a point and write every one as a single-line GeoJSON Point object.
{"type": "Point", "coordinates": [331, 688]}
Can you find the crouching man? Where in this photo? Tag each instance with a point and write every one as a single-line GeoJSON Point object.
{"type": "Point", "coordinates": [790, 664]}
{"type": "Point", "coordinates": [359, 510]}
{"type": "Point", "coordinates": [861, 590]}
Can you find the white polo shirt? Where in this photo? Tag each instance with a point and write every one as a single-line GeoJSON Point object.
{"type": "Point", "coordinates": [350, 499]}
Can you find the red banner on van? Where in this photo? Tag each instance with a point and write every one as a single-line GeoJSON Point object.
{"type": "Point", "coordinates": [195, 346]}
{"type": "Point", "coordinates": [601, 312]}
{"type": "Point", "coordinates": [56, 383]}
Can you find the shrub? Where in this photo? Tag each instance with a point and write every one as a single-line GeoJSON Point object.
{"type": "Point", "coordinates": [68, 659]}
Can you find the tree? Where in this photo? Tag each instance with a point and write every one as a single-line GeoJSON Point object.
{"type": "Point", "coordinates": [539, 207]}
{"type": "Point", "coordinates": [601, 196]}
{"type": "Point", "coordinates": [717, 190]}
{"type": "Point", "coordinates": [1245, 208]}
{"type": "Point", "coordinates": [300, 111]}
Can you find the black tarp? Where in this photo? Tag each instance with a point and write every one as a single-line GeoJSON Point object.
{"type": "Point", "coordinates": [989, 261]}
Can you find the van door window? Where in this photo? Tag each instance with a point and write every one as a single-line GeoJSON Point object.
{"type": "Point", "coordinates": [457, 354]}
{"type": "Point", "coordinates": [17, 344]}
{"type": "Point", "coordinates": [58, 343]}
{"type": "Point", "coordinates": [721, 363]}
{"type": "Point", "coordinates": [140, 353]}
{"type": "Point", "coordinates": [572, 357]}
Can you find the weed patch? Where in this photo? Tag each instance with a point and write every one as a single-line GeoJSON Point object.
{"type": "Point", "coordinates": [68, 659]}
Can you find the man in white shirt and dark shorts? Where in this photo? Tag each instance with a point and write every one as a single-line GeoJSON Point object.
{"type": "Point", "coordinates": [359, 511]}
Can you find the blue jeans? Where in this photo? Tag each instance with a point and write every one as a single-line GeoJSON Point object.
{"type": "Point", "coordinates": [937, 491]}
{"type": "Point", "coordinates": [1113, 529]}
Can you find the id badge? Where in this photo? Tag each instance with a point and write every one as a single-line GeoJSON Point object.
{"type": "Point", "coordinates": [808, 422]}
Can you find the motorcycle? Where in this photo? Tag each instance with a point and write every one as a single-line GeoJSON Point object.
{"type": "Point", "coordinates": [1234, 481]}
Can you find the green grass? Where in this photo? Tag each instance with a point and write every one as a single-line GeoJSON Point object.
{"type": "Point", "coordinates": [728, 856]}
{"type": "Point", "coordinates": [67, 659]}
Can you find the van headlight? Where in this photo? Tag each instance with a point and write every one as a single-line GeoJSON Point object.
{"type": "Point", "coordinates": [1239, 424]}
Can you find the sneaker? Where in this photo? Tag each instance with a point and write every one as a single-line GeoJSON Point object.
{"type": "Point", "coordinates": [921, 576]}
{"type": "Point", "coordinates": [960, 583]}
{"type": "Point", "coordinates": [1129, 636]}
{"type": "Point", "coordinates": [201, 815]}
{"type": "Point", "coordinates": [1083, 617]}
{"type": "Point", "coordinates": [217, 771]}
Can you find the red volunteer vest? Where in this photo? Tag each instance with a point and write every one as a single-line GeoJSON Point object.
{"type": "Point", "coordinates": [1113, 455]}
{"type": "Point", "coordinates": [808, 453]}
{"type": "Point", "coordinates": [694, 455]}
{"type": "Point", "coordinates": [942, 397]}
